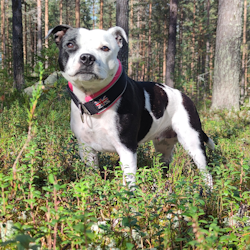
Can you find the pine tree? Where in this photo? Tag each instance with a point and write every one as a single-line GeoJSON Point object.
{"type": "Point", "coordinates": [122, 21]}
{"type": "Point", "coordinates": [39, 27]}
{"type": "Point", "coordinates": [3, 32]}
{"type": "Point", "coordinates": [17, 37]}
{"type": "Point", "coordinates": [171, 51]}
{"type": "Point", "coordinates": [227, 56]}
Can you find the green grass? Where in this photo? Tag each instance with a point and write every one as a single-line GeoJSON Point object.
{"type": "Point", "coordinates": [55, 202]}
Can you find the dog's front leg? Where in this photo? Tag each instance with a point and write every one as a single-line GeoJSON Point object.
{"type": "Point", "coordinates": [88, 156]}
{"type": "Point", "coordinates": [128, 161]}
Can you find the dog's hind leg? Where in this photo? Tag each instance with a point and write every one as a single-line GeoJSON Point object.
{"type": "Point", "coordinates": [189, 135]}
{"type": "Point", "coordinates": [164, 144]}
{"type": "Point", "coordinates": [192, 142]}
{"type": "Point", "coordinates": [89, 156]}
{"type": "Point", "coordinates": [186, 123]}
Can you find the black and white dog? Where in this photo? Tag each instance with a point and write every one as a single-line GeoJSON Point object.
{"type": "Point", "coordinates": [111, 112]}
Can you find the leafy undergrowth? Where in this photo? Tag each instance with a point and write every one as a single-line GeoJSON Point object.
{"type": "Point", "coordinates": [50, 200]}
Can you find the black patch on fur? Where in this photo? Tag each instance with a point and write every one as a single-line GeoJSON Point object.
{"type": "Point", "coordinates": [133, 120]}
{"type": "Point", "coordinates": [158, 98]}
{"type": "Point", "coordinates": [205, 137]}
{"type": "Point", "coordinates": [69, 37]}
{"type": "Point", "coordinates": [62, 60]}
{"type": "Point", "coordinates": [193, 114]}
{"type": "Point", "coordinates": [194, 119]}
{"type": "Point", "coordinates": [146, 123]}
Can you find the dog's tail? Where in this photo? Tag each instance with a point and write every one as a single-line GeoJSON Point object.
{"type": "Point", "coordinates": [208, 141]}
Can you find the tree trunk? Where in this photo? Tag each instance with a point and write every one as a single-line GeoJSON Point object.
{"type": "Point", "coordinates": [143, 50]}
{"type": "Point", "coordinates": [3, 54]}
{"type": "Point", "coordinates": [77, 10]}
{"type": "Point", "coordinates": [61, 11]}
{"type": "Point", "coordinates": [149, 59]}
{"type": "Point", "coordinates": [192, 73]}
{"type": "Point", "coordinates": [211, 65]}
{"type": "Point", "coordinates": [122, 21]}
{"type": "Point", "coordinates": [35, 43]}
{"type": "Point", "coordinates": [46, 29]}
{"type": "Point", "coordinates": [67, 12]}
{"type": "Point", "coordinates": [8, 50]}
{"type": "Point", "coordinates": [32, 40]}
{"type": "Point", "coordinates": [244, 54]}
{"type": "Point", "coordinates": [207, 69]}
{"type": "Point", "coordinates": [17, 38]}
{"type": "Point", "coordinates": [138, 46]}
{"type": "Point", "coordinates": [164, 48]}
{"type": "Point", "coordinates": [25, 38]}
{"type": "Point", "coordinates": [131, 17]}
{"type": "Point", "coordinates": [171, 51]}
{"type": "Point", "coordinates": [110, 15]}
{"type": "Point", "coordinates": [101, 15]}
{"type": "Point", "coordinates": [39, 27]}
{"type": "Point", "coordinates": [227, 55]}
{"type": "Point", "coordinates": [93, 11]}
{"type": "Point", "coordinates": [180, 68]}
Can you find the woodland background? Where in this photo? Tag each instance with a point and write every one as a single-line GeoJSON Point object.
{"type": "Point", "coordinates": [148, 23]}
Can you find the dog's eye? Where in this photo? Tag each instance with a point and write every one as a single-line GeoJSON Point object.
{"type": "Point", "coordinates": [70, 45]}
{"type": "Point", "coordinates": [105, 48]}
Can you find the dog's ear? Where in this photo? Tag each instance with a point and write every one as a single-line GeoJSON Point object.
{"type": "Point", "coordinates": [118, 33]}
{"type": "Point", "coordinates": [58, 31]}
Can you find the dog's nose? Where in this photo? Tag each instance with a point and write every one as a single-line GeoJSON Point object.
{"type": "Point", "coordinates": [87, 59]}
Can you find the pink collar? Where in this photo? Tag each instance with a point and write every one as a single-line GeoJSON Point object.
{"type": "Point", "coordinates": [105, 98]}
{"type": "Point", "coordinates": [114, 80]}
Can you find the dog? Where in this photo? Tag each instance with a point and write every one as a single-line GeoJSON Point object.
{"type": "Point", "coordinates": [110, 112]}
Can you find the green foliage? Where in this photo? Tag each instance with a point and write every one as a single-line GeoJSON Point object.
{"type": "Point", "coordinates": [54, 201]}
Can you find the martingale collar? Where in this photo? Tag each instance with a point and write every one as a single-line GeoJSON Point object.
{"type": "Point", "coordinates": [102, 100]}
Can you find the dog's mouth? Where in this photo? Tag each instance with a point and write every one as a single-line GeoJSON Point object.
{"type": "Point", "coordinates": [86, 75]}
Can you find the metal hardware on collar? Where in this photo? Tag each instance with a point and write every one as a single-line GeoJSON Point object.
{"type": "Point", "coordinates": [80, 107]}
{"type": "Point", "coordinates": [84, 109]}
{"type": "Point", "coordinates": [82, 117]}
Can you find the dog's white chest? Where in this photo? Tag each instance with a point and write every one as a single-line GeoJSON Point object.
{"type": "Point", "coordinates": [98, 131]}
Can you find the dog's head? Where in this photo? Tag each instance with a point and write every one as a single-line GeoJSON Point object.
{"type": "Point", "coordinates": [88, 58]}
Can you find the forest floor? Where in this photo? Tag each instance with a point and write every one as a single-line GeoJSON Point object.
{"type": "Point", "coordinates": [49, 199]}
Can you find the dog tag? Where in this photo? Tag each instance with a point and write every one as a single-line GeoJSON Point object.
{"type": "Point", "coordinates": [81, 114]}
{"type": "Point", "coordinates": [82, 118]}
